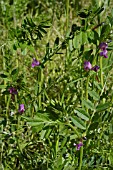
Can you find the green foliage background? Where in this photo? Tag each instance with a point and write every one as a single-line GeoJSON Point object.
{"type": "Point", "coordinates": [63, 103]}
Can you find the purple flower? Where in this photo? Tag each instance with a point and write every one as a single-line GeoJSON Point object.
{"type": "Point", "coordinates": [35, 63]}
{"type": "Point", "coordinates": [12, 91]}
{"type": "Point", "coordinates": [78, 146]}
{"type": "Point", "coordinates": [104, 53]}
{"type": "Point", "coordinates": [95, 68]}
{"type": "Point", "coordinates": [87, 65]}
{"type": "Point", "coordinates": [21, 108]}
{"type": "Point", "coordinates": [103, 46]}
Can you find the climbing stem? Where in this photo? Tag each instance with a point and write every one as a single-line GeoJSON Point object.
{"type": "Point", "coordinates": [81, 156]}
{"type": "Point", "coordinates": [101, 73]}
{"type": "Point", "coordinates": [67, 26]}
{"type": "Point", "coordinates": [74, 129]}
{"type": "Point", "coordinates": [87, 85]}
{"type": "Point", "coordinates": [40, 80]}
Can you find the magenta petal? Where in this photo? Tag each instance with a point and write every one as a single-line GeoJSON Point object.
{"type": "Point", "coordinates": [35, 63]}
{"type": "Point", "coordinates": [21, 108]}
{"type": "Point", "coordinates": [12, 90]}
{"type": "Point", "coordinates": [101, 53]}
{"type": "Point", "coordinates": [79, 145]}
{"type": "Point", "coordinates": [103, 46]}
{"type": "Point", "coordinates": [87, 65]}
{"type": "Point", "coordinates": [105, 56]}
{"type": "Point", "coordinates": [104, 53]}
{"type": "Point", "coordinates": [95, 68]}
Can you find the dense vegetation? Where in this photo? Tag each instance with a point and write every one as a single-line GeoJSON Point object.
{"type": "Point", "coordinates": [56, 92]}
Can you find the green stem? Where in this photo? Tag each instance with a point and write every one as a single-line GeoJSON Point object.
{"type": "Point", "coordinates": [101, 134]}
{"type": "Point", "coordinates": [73, 129]}
{"type": "Point", "coordinates": [67, 25]}
{"type": "Point", "coordinates": [101, 73]}
{"type": "Point", "coordinates": [89, 123]}
{"type": "Point", "coordinates": [4, 68]}
{"type": "Point", "coordinates": [81, 156]}
{"type": "Point", "coordinates": [81, 149]}
{"type": "Point", "coordinates": [87, 85]}
{"type": "Point", "coordinates": [82, 89]}
{"type": "Point", "coordinates": [16, 102]}
{"type": "Point", "coordinates": [7, 107]}
{"type": "Point", "coordinates": [40, 79]}
{"type": "Point", "coordinates": [67, 14]}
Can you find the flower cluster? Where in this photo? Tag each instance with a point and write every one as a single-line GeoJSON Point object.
{"type": "Point", "coordinates": [88, 66]}
{"type": "Point", "coordinates": [103, 46]}
{"type": "Point", "coordinates": [13, 91]}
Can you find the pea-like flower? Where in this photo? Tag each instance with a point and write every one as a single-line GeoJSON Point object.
{"type": "Point", "coordinates": [104, 53]}
{"type": "Point", "coordinates": [13, 91]}
{"type": "Point", "coordinates": [78, 146]}
{"type": "Point", "coordinates": [87, 66]}
{"type": "Point", "coordinates": [35, 63]}
{"type": "Point", "coordinates": [103, 46]}
{"type": "Point", "coordinates": [21, 108]}
{"type": "Point", "coordinates": [95, 68]}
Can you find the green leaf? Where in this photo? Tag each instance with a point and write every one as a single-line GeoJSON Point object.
{"type": "Point", "coordinates": [104, 32]}
{"type": "Point", "coordinates": [14, 71]}
{"type": "Point", "coordinates": [84, 14]}
{"type": "Point", "coordinates": [64, 141]}
{"type": "Point", "coordinates": [72, 82]}
{"type": "Point", "coordinates": [37, 128]}
{"type": "Point", "coordinates": [88, 104]}
{"type": "Point", "coordinates": [94, 126]}
{"type": "Point", "coordinates": [27, 118]}
{"type": "Point", "coordinates": [3, 76]}
{"type": "Point", "coordinates": [78, 122]}
{"type": "Point", "coordinates": [96, 35]}
{"type": "Point", "coordinates": [87, 54]}
{"type": "Point", "coordinates": [98, 85]}
{"type": "Point", "coordinates": [24, 52]}
{"type": "Point", "coordinates": [56, 43]}
{"type": "Point", "coordinates": [84, 37]}
{"type": "Point", "coordinates": [48, 133]}
{"type": "Point", "coordinates": [40, 117]}
{"type": "Point", "coordinates": [82, 113]}
{"type": "Point", "coordinates": [70, 45]}
{"type": "Point", "coordinates": [22, 146]}
{"type": "Point", "coordinates": [3, 86]}
{"type": "Point", "coordinates": [102, 107]}
{"type": "Point", "coordinates": [105, 29]}
{"type": "Point", "coordinates": [94, 94]}
{"type": "Point", "coordinates": [31, 48]}
{"type": "Point", "coordinates": [35, 123]}
{"type": "Point", "coordinates": [76, 41]}
{"type": "Point", "coordinates": [98, 11]}
{"type": "Point", "coordinates": [41, 29]}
